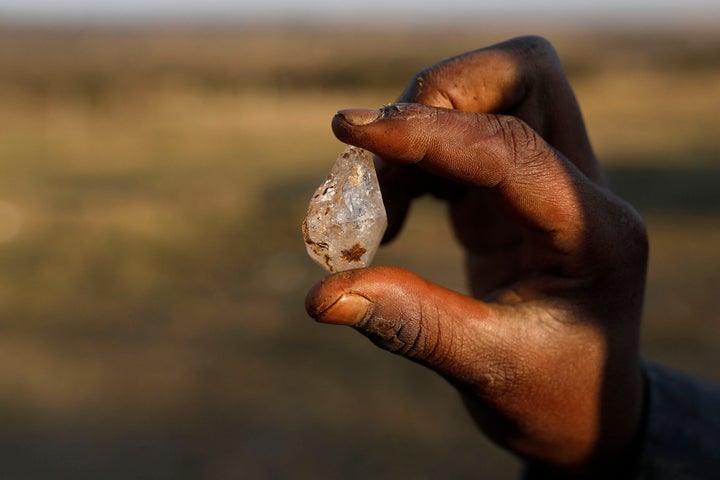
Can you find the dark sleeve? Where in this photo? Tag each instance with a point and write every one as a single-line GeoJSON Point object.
{"type": "Point", "coordinates": [682, 437]}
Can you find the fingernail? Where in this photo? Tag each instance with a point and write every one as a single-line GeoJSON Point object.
{"type": "Point", "coordinates": [360, 116]}
{"type": "Point", "coordinates": [349, 309]}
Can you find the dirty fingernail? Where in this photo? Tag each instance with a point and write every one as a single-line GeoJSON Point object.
{"type": "Point", "coordinates": [349, 309]}
{"type": "Point", "coordinates": [360, 116]}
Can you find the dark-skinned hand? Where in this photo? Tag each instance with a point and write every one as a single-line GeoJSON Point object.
{"type": "Point", "coordinates": [545, 352]}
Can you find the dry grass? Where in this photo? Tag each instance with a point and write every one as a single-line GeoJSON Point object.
{"type": "Point", "coordinates": [151, 269]}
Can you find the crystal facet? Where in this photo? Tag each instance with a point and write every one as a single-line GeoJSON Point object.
{"type": "Point", "coordinates": [346, 217]}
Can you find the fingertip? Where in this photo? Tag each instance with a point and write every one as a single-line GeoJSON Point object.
{"type": "Point", "coordinates": [345, 122]}
{"type": "Point", "coordinates": [330, 301]}
{"type": "Point", "coordinates": [334, 299]}
{"type": "Point", "coordinates": [365, 283]}
{"type": "Point", "coordinates": [348, 309]}
{"type": "Point", "coordinates": [318, 299]}
{"type": "Point", "coordinates": [383, 128]}
{"type": "Point", "coordinates": [359, 116]}
{"type": "Point", "coordinates": [341, 128]}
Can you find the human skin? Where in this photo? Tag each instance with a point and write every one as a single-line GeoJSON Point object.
{"type": "Point", "coordinates": [545, 351]}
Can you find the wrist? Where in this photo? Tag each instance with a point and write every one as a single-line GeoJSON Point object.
{"type": "Point", "coordinates": [613, 448]}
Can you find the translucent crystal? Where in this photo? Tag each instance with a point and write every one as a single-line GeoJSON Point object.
{"type": "Point", "coordinates": [346, 217]}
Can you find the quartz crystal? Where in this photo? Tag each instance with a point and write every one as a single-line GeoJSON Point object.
{"type": "Point", "coordinates": [346, 217]}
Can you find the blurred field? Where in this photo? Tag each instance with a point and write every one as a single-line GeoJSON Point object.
{"type": "Point", "coordinates": [152, 274]}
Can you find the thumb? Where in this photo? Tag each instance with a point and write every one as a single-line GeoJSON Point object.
{"type": "Point", "coordinates": [404, 314]}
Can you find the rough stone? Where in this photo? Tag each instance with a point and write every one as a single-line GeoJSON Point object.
{"type": "Point", "coordinates": [346, 218]}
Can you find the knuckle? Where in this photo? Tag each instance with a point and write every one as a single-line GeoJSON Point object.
{"type": "Point", "coordinates": [631, 227]}
{"type": "Point", "coordinates": [621, 252]}
{"type": "Point", "coordinates": [426, 88]}
{"type": "Point", "coordinates": [536, 49]}
{"type": "Point", "coordinates": [537, 43]}
{"type": "Point", "coordinates": [414, 89]}
{"type": "Point", "coordinates": [620, 261]}
{"type": "Point", "coordinates": [408, 335]}
{"type": "Point", "coordinates": [383, 333]}
{"type": "Point", "coordinates": [522, 143]}
{"type": "Point", "coordinates": [397, 335]}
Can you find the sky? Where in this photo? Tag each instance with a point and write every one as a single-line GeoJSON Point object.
{"type": "Point", "coordinates": [334, 10]}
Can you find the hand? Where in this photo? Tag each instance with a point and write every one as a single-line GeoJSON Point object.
{"type": "Point", "coordinates": [545, 354]}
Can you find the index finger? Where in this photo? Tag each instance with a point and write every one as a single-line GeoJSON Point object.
{"type": "Point", "coordinates": [549, 196]}
{"type": "Point", "coordinates": [523, 77]}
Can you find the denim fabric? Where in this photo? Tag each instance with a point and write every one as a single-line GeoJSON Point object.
{"type": "Point", "coordinates": [682, 438]}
